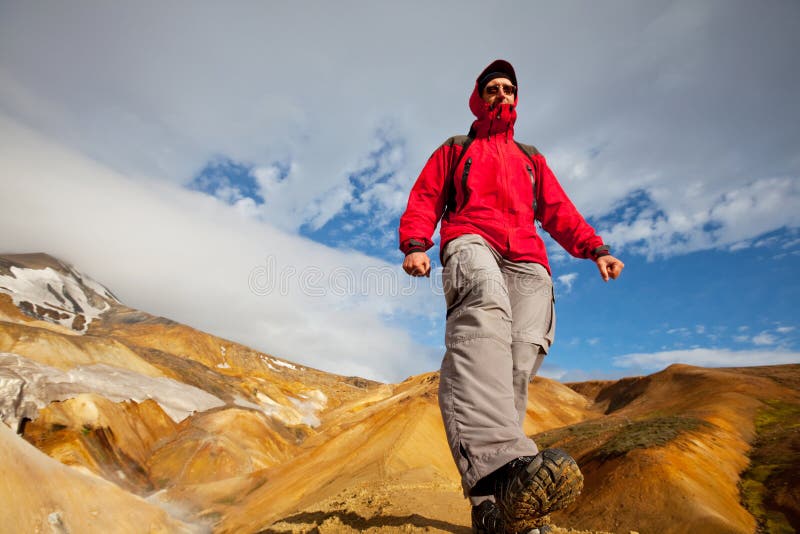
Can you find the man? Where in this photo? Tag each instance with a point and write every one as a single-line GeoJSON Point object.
{"type": "Point", "coordinates": [488, 191]}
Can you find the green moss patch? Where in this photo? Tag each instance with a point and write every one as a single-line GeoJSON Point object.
{"type": "Point", "coordinates": [648, 433]}
{"type": "Point", "coordinates": [581, 436]}
{"type": "Point", "coordinates": [768, 487]}
{"type": "Point", "coordinates": [610, 438]}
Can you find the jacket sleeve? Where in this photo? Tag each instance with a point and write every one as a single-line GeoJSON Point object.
{"type": "Point", "coordinates": [560, 218]}
{"type": "Point", "coordinates": [426, 203]}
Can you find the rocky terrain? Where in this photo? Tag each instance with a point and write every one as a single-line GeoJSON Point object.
{"type": "Point", "coordinates": [120, 421]}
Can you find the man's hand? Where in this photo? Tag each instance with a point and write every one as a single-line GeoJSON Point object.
{"type": "Point", "coordinates": [417, 264]}
{"type": "Point", "coordinates": [610, 267]}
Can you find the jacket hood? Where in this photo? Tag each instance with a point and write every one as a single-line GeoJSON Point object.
{"type": "Point", "coordinates": [507, 112]}
{"type": "Point", "coordinates": [480, 108]}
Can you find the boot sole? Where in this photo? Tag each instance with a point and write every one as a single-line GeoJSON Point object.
{"type": "Point", "coordinates": [553, 482]}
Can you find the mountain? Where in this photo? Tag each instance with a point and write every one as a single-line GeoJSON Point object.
{"type": "Point", "coordinates": [118, 420]}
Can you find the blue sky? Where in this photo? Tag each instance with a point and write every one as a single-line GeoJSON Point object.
{"type": "Point", "coordinates": [242, 167]}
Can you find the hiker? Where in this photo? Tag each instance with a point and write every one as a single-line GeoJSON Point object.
{"type": "Point", "coordinates": [488, 190]}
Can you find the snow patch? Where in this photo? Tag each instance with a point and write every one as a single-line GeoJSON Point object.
{"type": "Point", "coordinates": [267, 361]}
{"type": "Point", "coordinates": [244, 403]}
{"type": "Point", "coordinates": [303, 410]}
{"type": "Point", "coordinates": [284, 364]}
{"type": "Point", "coordinates": [54, 297]}
{"type": "Point", "coordinates": [27, 386]}
{"type": "Point", "coordinates": [179, 512]}
{"type": "Point", "coordinates": [280, 363]}
{"type": "Point", "coordinates": [224, 364]}
{"type": "Point", "coordinates": [308, 405]}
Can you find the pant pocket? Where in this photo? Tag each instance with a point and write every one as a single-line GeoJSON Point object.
{"type": "Point", "coordinates": [550, 335]}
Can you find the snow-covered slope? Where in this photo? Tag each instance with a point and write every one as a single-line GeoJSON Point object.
{"type": "Point", "coordinates": [27, 386]}
{"type": "Point", "coordinates": [57, 295]}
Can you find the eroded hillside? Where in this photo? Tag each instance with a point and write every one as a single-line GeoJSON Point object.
{"type": "Point", "coordinates": [144, 417]}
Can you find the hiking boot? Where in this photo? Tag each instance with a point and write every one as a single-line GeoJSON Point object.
{"type": "Point", "coordinates": [529, 488]}
{"type": "Point", "coordinates": [486, 519]}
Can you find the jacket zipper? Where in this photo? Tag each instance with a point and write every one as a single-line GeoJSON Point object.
{"type": "Point", "coordinates": [533, 187]}
{"type": "Point", "coordinates": [464, 176]}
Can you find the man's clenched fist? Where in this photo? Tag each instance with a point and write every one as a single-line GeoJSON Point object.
{"type": "Point", "coordinates": [417, 264]}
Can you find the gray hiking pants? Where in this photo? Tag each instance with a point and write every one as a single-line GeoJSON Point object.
{"type": "Point", "coordinates": [500, 324]}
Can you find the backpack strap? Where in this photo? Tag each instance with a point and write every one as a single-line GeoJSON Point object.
{"type": "Point", "coordinates": [530, 151]}
{"type": "Point", "coordinates": [463, 141]}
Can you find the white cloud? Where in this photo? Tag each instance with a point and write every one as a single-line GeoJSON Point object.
{"type": "Point", "coordinates": [269, 180]}
{"type": "Point", "coordinates": [552, 372]}
{"type": "Point", "coordinates": [764, 338]}
{"type": "Point", "coordinates": [191, 257]}
{"type": "Point", "coordinates": [682, 331]}
{"type": "Point", "coordinates": [741, 245]}
{"type": "Point", "coordinates": [784, 329]}
{"type": "Point", "coordinates": [567, 280]}
{"type": "Point", "coordinates": [583, 375]}
{"type": "Point", "coordinates": [325, 208]}
{"type": "Point", "coordinates": [706, 358]}
{"type": "Point", "coordinates": [733, 216]}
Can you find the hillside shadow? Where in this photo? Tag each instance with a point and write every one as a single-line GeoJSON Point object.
{"type": "Point", "coordinates": [358, 522]}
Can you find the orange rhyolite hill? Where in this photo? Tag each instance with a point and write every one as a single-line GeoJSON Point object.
{"type": "Point", "coordinates": [119, 421]}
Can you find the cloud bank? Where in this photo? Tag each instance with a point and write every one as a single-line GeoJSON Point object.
{"type": "Point", "coordinates": [198, 260]}
{"type": "Point", "coordinates": [704, 357]}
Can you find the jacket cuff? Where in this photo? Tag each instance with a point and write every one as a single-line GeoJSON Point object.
{"type": "Point", "coordinates": [602, 250]}
{"type": "Point", "coordinates": [415, 245]}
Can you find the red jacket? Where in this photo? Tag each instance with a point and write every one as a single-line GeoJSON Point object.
{"type": "Point", "coordinates": [495, 187]}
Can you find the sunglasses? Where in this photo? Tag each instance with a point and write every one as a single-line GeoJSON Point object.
{"type": "Point", "coordinates": [507, 89]}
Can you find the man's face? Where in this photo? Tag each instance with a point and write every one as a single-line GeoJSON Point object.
{"type": "Point", "coordinates": [499, 91]}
